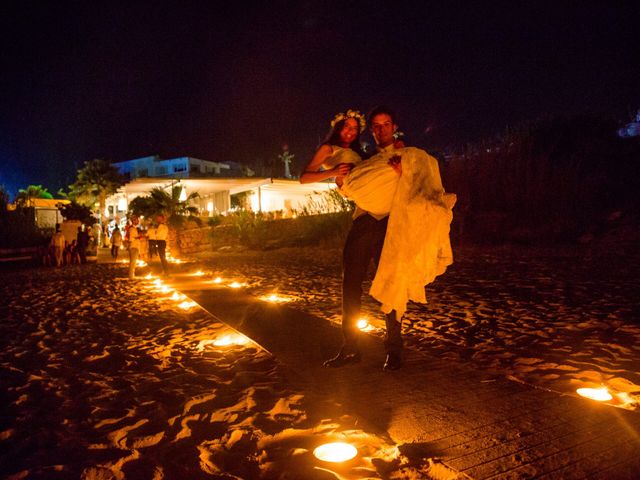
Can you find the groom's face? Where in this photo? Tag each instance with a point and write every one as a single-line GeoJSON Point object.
{"type": "Point", "coordinates": [383, 128]}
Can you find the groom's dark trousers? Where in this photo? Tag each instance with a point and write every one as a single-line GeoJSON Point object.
{"type": "Point", "coordinates": [364, 243]}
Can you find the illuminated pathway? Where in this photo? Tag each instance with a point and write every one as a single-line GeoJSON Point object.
{"type": "Point", "coordinates": [480, 425]}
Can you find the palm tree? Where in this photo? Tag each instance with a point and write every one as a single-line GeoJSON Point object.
{"type": "Point", "coordinates": [161, 202]}
{"type": "Point", "coordinates": [94, 182]}
{"type": "Point", "coordinates": [26, 195]}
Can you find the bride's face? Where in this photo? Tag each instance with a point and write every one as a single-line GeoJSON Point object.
{"type": "Point", "coordinates": [349, 131]}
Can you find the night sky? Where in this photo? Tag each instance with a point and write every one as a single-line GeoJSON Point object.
{"type": "Point", "coordinates": [120, 80]}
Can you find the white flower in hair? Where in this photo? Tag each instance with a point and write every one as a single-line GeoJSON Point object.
{"type": "Point", "coordinates": [355, 114]}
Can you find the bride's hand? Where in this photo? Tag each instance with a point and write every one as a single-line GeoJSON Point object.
{"type": "Point", "coordinates": [342, 169]}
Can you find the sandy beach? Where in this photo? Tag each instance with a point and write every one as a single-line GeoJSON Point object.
{"type": "Point", "coordinates": [109, 378]}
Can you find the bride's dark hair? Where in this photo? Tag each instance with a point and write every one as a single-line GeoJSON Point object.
{"type": "Point", "coordinates": [333, 138]}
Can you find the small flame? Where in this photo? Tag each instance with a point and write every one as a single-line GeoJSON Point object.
{"type": "Point", "coordinates": [173, 259]}
{"type": "Point", "coordinates": [199, 273]}
{"type": "Point", "coordinates": [141, 263]}
{"type": "Point", "coordinates": [223, 341]}
{"type": "Point", "coordinates": [599, 394]}
{"type": "Point", "coordinates": [237, 285]}
{"type": "Point", "coordinates": [231, 339]}
{"type": "Point", "coordinates": [177, 296]}
{"type": "Point", "coordinates": [335, 452]}
{"type": "Point", "coordinates": [364, 325]}
{"type": "Point", "coordinates": [275, 298]}
{"type": "Point", "coordinates": [217, 280]}
{"type": "Point", "coordinates": [187, 305]}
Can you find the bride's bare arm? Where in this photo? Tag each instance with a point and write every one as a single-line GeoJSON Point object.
{"type": "Point", "coordinates": [312, 172]}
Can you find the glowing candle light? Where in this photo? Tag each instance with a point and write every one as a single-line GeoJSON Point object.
{"type": "Point", "coordinates": [275, 298]}
{"type": "Point", "coordinates": [230, 339]}
{"type": "Point", "coordinates": [177, 296]}
{"type": "Point", "coordinates": [217, 280]}
{"type": "Point", "coordinates": [599, 394]}
{"type": "Point", "coordinates": [236, 285]}
{"type": "Point", "coordinates": [187, 305]}
{"type": "Point", "coordinates": [335, 452]}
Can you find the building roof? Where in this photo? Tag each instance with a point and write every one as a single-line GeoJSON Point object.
{"type": "Point", "coordinates": [221, 184]}
{"type": "Point", "coordinates": [43, 203]}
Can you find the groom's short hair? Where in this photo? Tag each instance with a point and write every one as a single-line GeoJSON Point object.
{"type": "Point", "coordinates": [381, 109]}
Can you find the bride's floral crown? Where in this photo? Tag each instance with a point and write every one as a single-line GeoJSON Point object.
{"type": "Point", "coordinates": [350, 114]}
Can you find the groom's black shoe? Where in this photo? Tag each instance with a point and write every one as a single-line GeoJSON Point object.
{"type": "Point", "coordinates": [393, 362]}
{"type": "Point", "coordinates": [343, 359]}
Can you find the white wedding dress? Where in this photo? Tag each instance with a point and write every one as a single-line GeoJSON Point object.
{"type": "Point", "coordinates": [416, 247]}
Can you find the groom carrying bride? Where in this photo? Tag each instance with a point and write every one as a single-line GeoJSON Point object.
{"type": "Point", "coordinates": [402, 223]}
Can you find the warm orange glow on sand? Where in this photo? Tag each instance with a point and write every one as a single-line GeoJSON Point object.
{"type": "Point", "coordinates": [230, 339]}
{"type": "Point", "coordinates": [172, 259]}
{"type": "Point", "coordinates": [335, 452]}
{"type": "Point", "coordinates": [223, 341]}
{"type": "Point", "coordinates": [364, 325]}
{"type": "Point", "coordinates": [187, 305]}
{"type": "Point", "coordinates": [599, 394]}
{"type": "Point", "coordinates": [275, 298]}
{"type": "Point", "coordinates": [176, 297]}
{"type": "Point", "coordinates": [163, 289]}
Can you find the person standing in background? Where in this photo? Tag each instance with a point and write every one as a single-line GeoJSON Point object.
{"type": "Point", "coordinates": [58, 243]}
{"type": "Point", "coordinates": [116, 242]}
{"type": "Point", "coordinates": [162, 232]}
{"type": "Point", "coordinates": [82, 242]}
{"type": "Point", "coordinates": [134, 238]}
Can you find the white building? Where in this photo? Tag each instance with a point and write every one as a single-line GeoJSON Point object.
{"type": "Point", "coordinates": [181, 167]}
{"type": "Point", "coordinates": [214, 194]}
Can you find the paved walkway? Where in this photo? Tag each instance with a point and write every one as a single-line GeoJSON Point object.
{"type": "Point", "coordinates": [476, 424]}
{"type": "Point", "coordinates": [479, 425]}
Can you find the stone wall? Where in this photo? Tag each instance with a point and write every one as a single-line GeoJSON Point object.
{"type": "Point", "coordinates": [189, 241]}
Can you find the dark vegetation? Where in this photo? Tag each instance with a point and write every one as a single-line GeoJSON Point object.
{"type": "Point", "coordinates": [553, 180]}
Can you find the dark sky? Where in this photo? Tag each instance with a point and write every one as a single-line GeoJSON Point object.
{"type": "Point", "coordinates": [237, 80]}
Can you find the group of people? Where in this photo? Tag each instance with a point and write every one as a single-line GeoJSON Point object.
{"type": "Point", "coordinates": [401, 222]}
{"type": "Point", "coordinates": [62, 251]}
{"type": "Point", "coordinates": [144, 243]}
